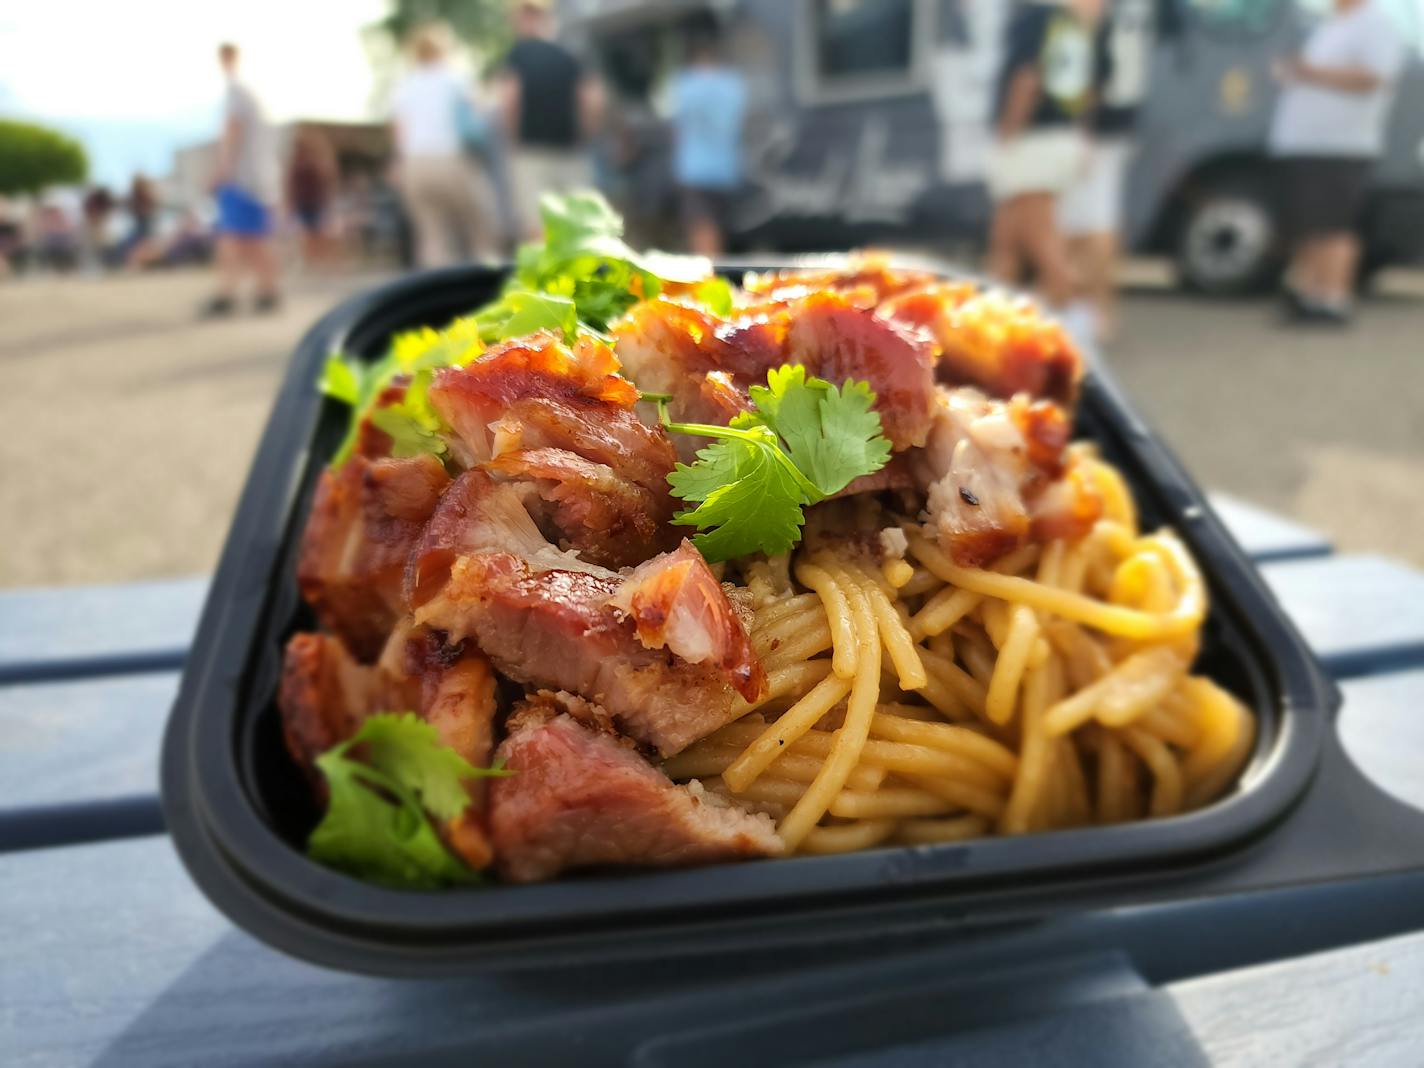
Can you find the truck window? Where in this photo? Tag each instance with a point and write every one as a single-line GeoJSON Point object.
{"type": "Point", "coordinates": [852, 49]}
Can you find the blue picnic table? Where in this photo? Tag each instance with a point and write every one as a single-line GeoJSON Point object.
{"type": "Point", "coordinates": [111, 955]}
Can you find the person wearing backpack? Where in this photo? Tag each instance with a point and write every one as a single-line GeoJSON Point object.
{"type": "Point", "coordinates": [440, 133]}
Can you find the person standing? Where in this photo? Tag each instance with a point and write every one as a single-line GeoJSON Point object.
{"type": "Point", "coordinates": [312, 180]}
{"type": "Point", "coordinates": [446, 191]}
{"type": "Point", "coordinates": [1090, 211]}
{"type": "Point", "coordinates": [141, 247]}
{"type": "Point", "coordinates": [549, 107]}
{"type": "Point", "coordinates": [245, 185]}
{"type": "Point", "coordinates": [1327, 132]}
{"type": "Point", "coordinates": [709, 103]}
{"type": "Point", "coordinates": [1044, 90]}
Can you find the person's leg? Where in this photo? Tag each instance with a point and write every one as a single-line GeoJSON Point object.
{"type": "Point", "coordinates": [701, 232]}
{"type": "Point", "coordinates": [1005, 261]}
{"type": "Point", "coordinates": [262, 260]}
{"type": "Point", "coordinates": [423, 204]}
{"type": "Point", "coordinates": [1338, 258]}
{"type": "Point", "coordinates": [1042, 243]}
{"type": "Point", "coordinates": [472, 197]}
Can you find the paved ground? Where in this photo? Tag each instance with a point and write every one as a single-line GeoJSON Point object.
{"type": "Point", "coordinates": [128, 426]}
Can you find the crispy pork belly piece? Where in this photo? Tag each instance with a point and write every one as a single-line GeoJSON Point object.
{"type": "Point", "coordinates": [999, 343]}
{"type": "Point", "coordinates": [675, 601]}
{"type": "Point", "coordinates": [325, 695]}
{"type": "Point", "coordinates": [535, 393]}
{"type": "Point", "coordinates": [867, 273]}
{"type": "Point", "coordinates": [479, 514]}
{"type": "Point", "coordinates": [556, 629]}
{"type": "Point", "coordinates": [993, 473]}
{"type": "Point", "coordinates": [459, 699]}
{"type": "Point", "coordinates": [580, 797]}
{"type": "Point", "coordinates": [705, 364]}
{"type": "Point", "coordinates": [589, 507]}
{"type": "Point", "coordinates": [672, 349]}
{"type": "Point", "coordinates": [836, 341]}
{"type": "Point", "coordinates": [364, 520]}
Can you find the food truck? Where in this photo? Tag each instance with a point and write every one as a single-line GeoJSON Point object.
{"type": "Point", "coordinates": [869, 121]}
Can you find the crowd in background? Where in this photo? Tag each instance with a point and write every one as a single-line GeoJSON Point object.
{"type": "Point", "coordinates": [472, 156]}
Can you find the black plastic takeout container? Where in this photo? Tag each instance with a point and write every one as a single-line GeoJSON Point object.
{"type": "Point", "coordinates": [239, 810]}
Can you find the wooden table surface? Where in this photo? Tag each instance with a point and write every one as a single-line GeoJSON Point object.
{"type": "Point", "coordinates": [112, 956]}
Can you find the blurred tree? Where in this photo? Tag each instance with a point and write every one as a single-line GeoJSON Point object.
{"type": "Point", "coordinates": [483, 25]}
{"type": "Point", "coordinates": [33, 157]}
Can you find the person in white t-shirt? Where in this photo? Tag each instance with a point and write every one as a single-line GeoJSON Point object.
{"type": "Point", "coordinates": [1327, 132]}
{"type": "Point", "coordinates": [446, 192]}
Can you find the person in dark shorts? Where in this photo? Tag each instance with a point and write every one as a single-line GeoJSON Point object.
{"type": "Point", "coordinates": [709, 103]}
{"type": "Point", "coordinates": [550, 106]}
{"type": "Point", "coordinates": [1327, 132]}
{"type": "Point", "coordinates": [312, 180]}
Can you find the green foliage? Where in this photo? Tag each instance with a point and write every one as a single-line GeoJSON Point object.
{"type": "Point", "coordinates": [34, 157]}
{"type": "Point", "coordinates": [483, 24]}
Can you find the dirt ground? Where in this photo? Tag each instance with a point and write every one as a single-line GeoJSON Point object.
{"type": "Point", "coordinates": [129, 425]}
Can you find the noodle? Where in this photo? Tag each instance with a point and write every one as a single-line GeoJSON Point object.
{"type": "Point", "coordinates": [917, 701]}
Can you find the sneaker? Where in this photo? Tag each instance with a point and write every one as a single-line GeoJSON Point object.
{"type": "Point", "coordinates": [217, 308]}
{"type": "Point", "coordinates": [267, 303]}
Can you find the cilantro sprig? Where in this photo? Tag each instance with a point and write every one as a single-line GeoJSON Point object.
{"type": "Point", "coordinates": [804, 441]}
{"type": "Point", "coordinates": [378, 819]}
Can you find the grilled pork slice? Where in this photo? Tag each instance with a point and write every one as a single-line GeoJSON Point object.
{"type": "Point", "coordinates": [994, 474]}
{"type": "Point", "coordinates": [535, 393]}
{"type": "Point", "coordinates": [998, 343]}
{"type": "Point", "coordinates": [479, 514]}
{"type": "Point", "coordinates": [697, 359]}
{"type": "Point", "coordinates": [836, 341]}
{"type": "Point", "coordinates": [366, 517]}
{"type": "Point", "coordinates": [556, 629]}
{"type": "Point", "coordinates": [674, 601]}
{"type": "Point", "coordinates": [580, 796]}
{"type": "Point", "coordinates": [588, 507]}
{"type": "Point", "coordinates": [325, 695]}
{"type": "Point", "coordinates": [459, 700]}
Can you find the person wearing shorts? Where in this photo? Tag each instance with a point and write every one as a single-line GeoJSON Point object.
{"type": "Point", "coordinates": [1326, 134]}
{"type": "Point", "coordinates": [1090, 211]}
{"type": "Point", "coordinates": [1045, 86]}
{"type": "Point", "coordinates": [245, 184]}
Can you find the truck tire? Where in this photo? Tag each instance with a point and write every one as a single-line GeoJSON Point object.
{"type": "Point", "coordinates": [1228, 237]}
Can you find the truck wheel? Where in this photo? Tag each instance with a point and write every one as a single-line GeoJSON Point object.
{"type": "Point", "coordinates": [1227, 239]}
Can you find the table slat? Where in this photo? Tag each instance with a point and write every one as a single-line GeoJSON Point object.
{"type": "Point", "coordinates": [1265, 535]}
{"type": "Point", "coordinates": [113, 957]}
{"type": "Point", "coordinates": [1361, 614]}
{"type": "Point", "coordinates": [1382, 729]}
{"type": "Point", "coordinates": [79, 760]}
{"type": "Point", "coordinates": [63, 632]}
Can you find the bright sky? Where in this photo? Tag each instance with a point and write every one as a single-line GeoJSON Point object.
{"type": "Point", "coordinates": [136, 79]}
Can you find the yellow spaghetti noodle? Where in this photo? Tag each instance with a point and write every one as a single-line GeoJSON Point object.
{"type": "Point", "coordinates": [918, 701]}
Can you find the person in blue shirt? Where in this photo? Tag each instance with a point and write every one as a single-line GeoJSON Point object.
{"type": "Point", "coordinates": [709, 102]}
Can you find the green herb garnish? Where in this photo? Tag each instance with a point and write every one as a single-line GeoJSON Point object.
{"type": "Point", "coordinates": [804, 441]}
{"type": "Point", "coordinates": [378, 819]}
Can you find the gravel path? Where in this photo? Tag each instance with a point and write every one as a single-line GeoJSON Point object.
{"type": "Point", "coordinates": [129, 425]}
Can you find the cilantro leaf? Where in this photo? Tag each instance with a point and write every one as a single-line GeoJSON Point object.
{"type": "Point", "coordinates": [341, 377]}
{"type": "Point", "coordinates": [714, 294]}
{"type": "Point", "coordinates": [520, 311]}
{"type": "Point", "coordinates": [757, 511]}
{"type": "Point", "coordinates": [803, 441]}
{"type": "Point", "coordinates": [833, 435]}
{"type": "Point", "coordinates": [376, 824]}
